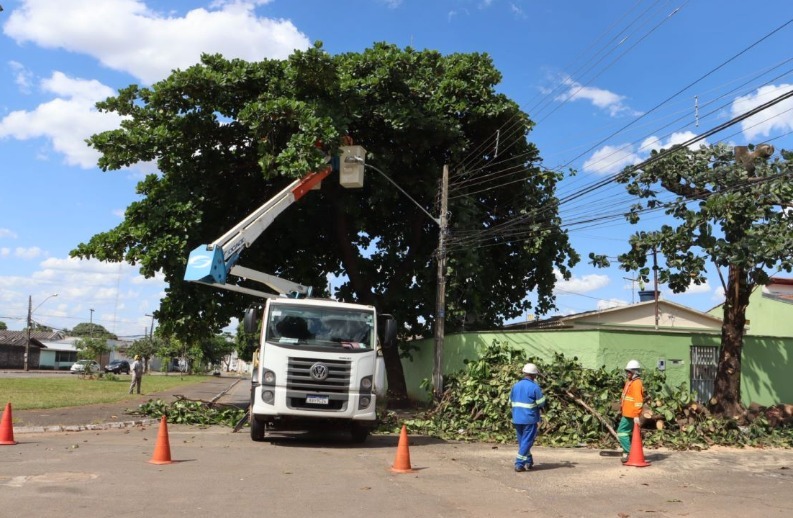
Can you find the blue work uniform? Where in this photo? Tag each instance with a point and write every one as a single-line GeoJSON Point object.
{"type": "Point", "coordinates": [526, 400]}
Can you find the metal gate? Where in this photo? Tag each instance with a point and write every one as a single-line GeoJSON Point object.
{"type": "Point", "coordinates": [704, 362]}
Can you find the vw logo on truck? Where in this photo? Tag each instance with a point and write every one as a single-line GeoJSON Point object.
{"type": "Point", "coordinates": [319, 371]}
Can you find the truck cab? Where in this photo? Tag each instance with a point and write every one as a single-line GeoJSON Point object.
{"type": "Point", "coordinates": [319, 366]}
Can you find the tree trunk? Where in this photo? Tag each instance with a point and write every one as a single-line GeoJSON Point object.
{"type": "Point", "coordinates": [397, 389]}
{"type": "Point", "coordinates": [727, 390]}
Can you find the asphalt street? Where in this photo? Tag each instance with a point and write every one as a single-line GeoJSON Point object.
{"type": "Point", "coordinates": [215, 472]}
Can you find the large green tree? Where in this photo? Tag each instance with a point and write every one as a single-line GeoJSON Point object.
{"type": "Point", "coordinates": [226, 135]}
{"type": "Point", "coordinates": [91, 330]}
{"type": "Point", "coordinates": [731, 214]}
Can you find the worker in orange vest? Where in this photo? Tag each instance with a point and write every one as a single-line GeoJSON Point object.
{"type": "Point", "coordinates": [631, 403]}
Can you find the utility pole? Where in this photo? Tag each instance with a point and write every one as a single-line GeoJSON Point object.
{"type": "Point", "coordinates": [655, 283]}
{"type": "Point", "coordinates": [633, 288]}
{"type": "Point", "coordinates": [30, 323]}
{"type": "Point", "coordinates": [151, 330]}
{"type": "Point", "coordinates": [440, 301]}
{"type": "Point", "coordinates": [91, 322]}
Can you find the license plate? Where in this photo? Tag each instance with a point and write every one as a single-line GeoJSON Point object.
{"type": "Point", "coordinates": [317, 400]}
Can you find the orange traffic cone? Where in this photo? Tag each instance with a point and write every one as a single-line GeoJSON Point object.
{"type": "Point", "coordinates": [162, 450]}
{"type": "Point", "coordinates": [636, 456]}
{"type": "Point", "coordinates": [402, 460]}
{"type": "Point", "coordinates": [7, 427]}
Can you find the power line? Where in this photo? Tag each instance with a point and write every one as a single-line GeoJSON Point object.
{"type": "Point", "coordinates": [654, 108]}
{"type": "Point", "coordinates": [505, 226]}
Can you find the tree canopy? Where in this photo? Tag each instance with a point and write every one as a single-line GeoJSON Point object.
{"type": "Point", "coordinates": [729, 214]}
{"type": "Point", "coordinates": [226, 135]}
{"type": "Point", "coordinates": [90, 330]}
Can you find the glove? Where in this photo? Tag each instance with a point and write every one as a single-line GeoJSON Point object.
{"type": "Point", "coordinates": [636, 420]}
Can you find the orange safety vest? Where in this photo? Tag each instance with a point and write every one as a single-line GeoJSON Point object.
{"type": "Point", "coordinates": [632, 398]}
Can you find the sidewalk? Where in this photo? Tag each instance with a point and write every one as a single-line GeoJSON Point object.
{"type": "Point", "coordinates": [115, 415]}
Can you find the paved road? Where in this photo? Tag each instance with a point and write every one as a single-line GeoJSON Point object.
{"type": "Point", "coordinates": [106, 473]}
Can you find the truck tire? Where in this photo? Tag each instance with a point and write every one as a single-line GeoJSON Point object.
{"type": "Point", "coordinates": [359, 433]}
{"type": "Point", "coordinates": [257, 429]}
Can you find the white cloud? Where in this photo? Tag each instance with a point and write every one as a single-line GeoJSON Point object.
{"type": "Point", "coordinates": [694, 289]}
{"type": "Point", "coordinates": [67, 120]}
{"type": "Point", "coordinates": [129, 36]}
{"type": "Point", "coordinates": [778, 117]}
{"type": "Point", "coordinates": [516, 10]}
{"type": "Point", "coordinates": [611, 303]}
{"type": "Point", "coordinates": [5, 252]}
{"type": "Point", "coordinates": [611, 159]}
{"type": "Point", "coordinates": [654, 143]}
{"type": "Point", "coordinates": [603, 99]}
{"type": "Point", "coordinates": [23, 77]}
{"type": "Point", "coordinates": [28, 253]}
{"type": "Point", "coordinates": [159, 277]}
{"type": "Point", "coordinates": [4, 232]}
{"type": "Point", "coordinates": [583, 284]}
{"type": "Point", "coordinates": [82, 285]}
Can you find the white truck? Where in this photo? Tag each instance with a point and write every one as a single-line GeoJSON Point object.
{"type": "Point", "coordinates": [319, 364]}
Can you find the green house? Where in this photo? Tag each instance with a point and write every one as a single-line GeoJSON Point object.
{"type": "Point", "coordinates": [660, 334]}
{"type": "Point", "coordinates": [768, 344]}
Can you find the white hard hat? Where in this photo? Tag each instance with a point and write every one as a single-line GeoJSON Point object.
{"type": "Point", "coordinates": [530, 368]}
{"type": "Point", "coordinates": [633, 365]}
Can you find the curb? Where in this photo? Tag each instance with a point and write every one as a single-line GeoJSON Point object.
{"type": "Point", "coordinates": [84, 428]}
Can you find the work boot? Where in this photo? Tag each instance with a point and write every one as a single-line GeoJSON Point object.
{"type": "Point", "coordinates": [624, 458]}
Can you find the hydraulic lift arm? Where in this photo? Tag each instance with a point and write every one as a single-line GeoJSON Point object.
{"type": "Point", "coordinates": [213, 263]}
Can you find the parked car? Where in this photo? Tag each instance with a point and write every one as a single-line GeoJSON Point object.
{"type": "Point", "coordinates": [81, 366]}
{"type": "Point", "coordinates": [117, 367]}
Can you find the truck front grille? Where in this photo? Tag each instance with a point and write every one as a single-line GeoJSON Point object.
{"type": "Point", "coordinates": [300, 383]}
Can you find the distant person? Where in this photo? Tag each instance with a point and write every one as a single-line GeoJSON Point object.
{"type": "Point", "coordinates": [631, 404]}
{"type": "Point", "coordinates": [136, 369]}
{"type": "Point", "coordinates": [526, 399]}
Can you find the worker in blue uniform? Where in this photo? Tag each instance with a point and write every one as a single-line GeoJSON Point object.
{"type": "Point", "coordinates": [527, 400]}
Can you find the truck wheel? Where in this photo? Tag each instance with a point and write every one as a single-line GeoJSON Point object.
{"type": "Point", "coordinates": [257, 429]}
{"type": "Point", "coordinates": [359, 433]}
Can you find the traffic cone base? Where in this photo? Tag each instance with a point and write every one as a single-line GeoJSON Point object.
{"type": "Point", "coordinates": [402, 459]}
{"type": "Point", "coordinates": [7, 427]}
{"type": "Point", "coordinates": [162, 450]}
{"type": "Point", "coordinates": [636, 455]}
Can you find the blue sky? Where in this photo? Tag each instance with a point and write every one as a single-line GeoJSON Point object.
{"type": "Point", "coordinates": [605, 82]}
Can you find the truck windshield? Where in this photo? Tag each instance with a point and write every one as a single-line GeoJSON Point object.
{"type": "Point", "coordinates": [313, 326]}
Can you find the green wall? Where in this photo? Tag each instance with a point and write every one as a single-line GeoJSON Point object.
{"type": "Point", "coordinates": [766, 370]}
{"type": "Point", "coordinates": [765, 316]}
{"type": "Point", "coordinates": [766, 360]}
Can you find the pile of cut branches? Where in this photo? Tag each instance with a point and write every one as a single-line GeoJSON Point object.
{"type": "Point", "coordinates": [582, 408]}
{"type": "Point", "coordinates": [192, 411]}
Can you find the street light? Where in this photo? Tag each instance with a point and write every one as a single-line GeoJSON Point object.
{"type": "Point", "coordinates": [440, 298]}
{"type": "Point", "coordinates": [30, 324]}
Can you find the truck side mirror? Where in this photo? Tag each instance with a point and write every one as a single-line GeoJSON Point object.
{"type": "Point", "coordinates": [250, 323]}
{"type": "Point", "coordinates": [388, 331]}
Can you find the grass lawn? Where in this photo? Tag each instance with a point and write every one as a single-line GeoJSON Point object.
{"type": "Point", "coordinates": [71, 390]}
